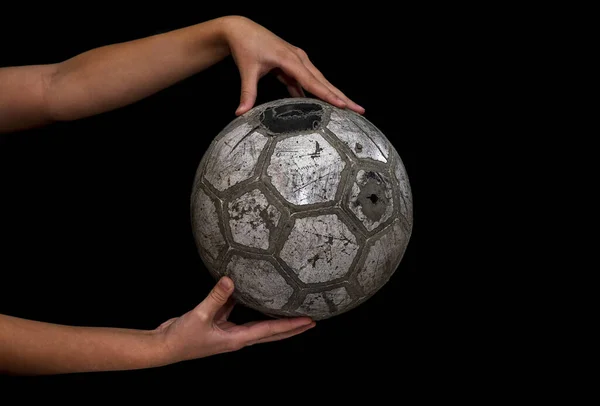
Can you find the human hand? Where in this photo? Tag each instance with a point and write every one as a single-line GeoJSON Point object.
{"type": "Point", "coordinates": [257, 51]}
{"type": "Point", "coordinates": [206, 331]}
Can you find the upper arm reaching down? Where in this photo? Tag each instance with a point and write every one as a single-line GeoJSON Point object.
{"type": "Point", "coordinates": [22, 97]}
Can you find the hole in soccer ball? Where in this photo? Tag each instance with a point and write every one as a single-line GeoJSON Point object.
{"type": "Point", "coordinates": [292, 117]}
{"type": "Point", "coordinates": [372, 197]}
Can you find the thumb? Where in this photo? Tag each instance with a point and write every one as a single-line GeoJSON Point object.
{"type": "Point", "coordinates": [249, 89]}
{"type": "Point", "coordinates": [217, 298]}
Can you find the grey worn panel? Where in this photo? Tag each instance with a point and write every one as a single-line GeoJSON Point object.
{"type": "Point", "coordinates": [373, 133]}
{"type": "Point", "coordinates": [405, 191]}
{"type": "Point", "coordinates": [260, 280]}
{"type": "Point", "coordinates": [354, 137]}
{"type": "Point", "coordinates": [323, 304]}
{"type": "Point", "coordinates": [371, 198]}
{"type": "Point", "coordinates": [382, 259]}
{"type": "Point", "coordinates": [234, 157]}
{"type": "Point", "coordinates": [305, 169]}
{"type": "Point", "coordinates": [251, 219]}
{"type": "Point", "coordinates": [206, 224]}
{"type": "Point", "coordinates": [320, 248]}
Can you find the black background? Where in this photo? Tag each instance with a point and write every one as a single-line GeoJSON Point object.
{"type": "Point", "coordinates": [94, 214]}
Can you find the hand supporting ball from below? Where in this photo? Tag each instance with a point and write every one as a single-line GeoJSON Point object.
{"type": "Point", "coordinates": [206, 330]}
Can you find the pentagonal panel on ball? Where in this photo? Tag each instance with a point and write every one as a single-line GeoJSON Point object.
{"type": "Point", "coordinates": [319, 248]}
{"type": "Point", "coordinates": [259, 279]}
{"type": "Point", "coordinates": [371, 198]}
{"type": "Point", "coordinates": [305, 169]}
{"type": "Point", "coordinates": [252, 219]}
{"type": "Point", "coordinates": [363, 141]}
{"type": "Point", "coordinates": [234, 157]}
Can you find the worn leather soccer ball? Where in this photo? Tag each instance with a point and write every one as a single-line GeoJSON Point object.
{"type": "Point", "coordinates": [307, 207]}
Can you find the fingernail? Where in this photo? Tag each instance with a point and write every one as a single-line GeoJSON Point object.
{"type": "Point", "coordinates": [225, 283]}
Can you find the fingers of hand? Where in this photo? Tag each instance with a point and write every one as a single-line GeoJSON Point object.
{"type": "Point", "coordinates": [317, 74]}
{"type": "Point", "coordinates": [270, 328]}
{"type": "Point", "coordinates": [296, 91]}
{"type": "Point", "coordinates": [249, 78]}
{"type": "Point", "coordinates": [297, 70]}
{"type": "Point", "coordinates": [294, 88]}
{"type": "Point", "coordinates": [216, 299]}
{"type": "Point", "coordinates": [283, 336]}
{"type": "Point", "coordinates": [314, 81]}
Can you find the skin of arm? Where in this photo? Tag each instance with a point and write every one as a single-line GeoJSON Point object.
{"type": "Point", "coordinates": [116, 75]}
{"type": "Point", "coordinates": [108, 77]}
{"type": "Point", "coordinates": [29, 347]}
{"type": "Point", "coordinates": [33, 347]}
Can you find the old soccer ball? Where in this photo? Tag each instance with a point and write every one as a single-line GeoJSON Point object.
{"type": "Point", "coordinates": [305, 206]}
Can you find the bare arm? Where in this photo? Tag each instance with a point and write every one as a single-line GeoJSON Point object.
{"type": "Point", "coordinates": [108, 77]}
{"type": "Point", "coordinates": [30, 347]}
{"type": "Point", "coordinates": [113, 76]}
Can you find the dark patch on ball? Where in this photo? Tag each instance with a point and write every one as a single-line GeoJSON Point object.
{"type": "Point", "coordinates": [292, 117]}
{"type": "Point", "coordinates": [372, 197]}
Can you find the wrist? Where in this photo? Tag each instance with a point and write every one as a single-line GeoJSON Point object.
{"type": "Point", "coordinates": [159, 350]}
{"type": "Point", "coordinates": [206, 43]}
{"type": "Point", "coordinates": [229, 24]}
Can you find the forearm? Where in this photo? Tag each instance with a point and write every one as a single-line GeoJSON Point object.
{"type": "Point", "coordinates": [113, 76]}
{"type": "Point", "coordinates": [34, 348]}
